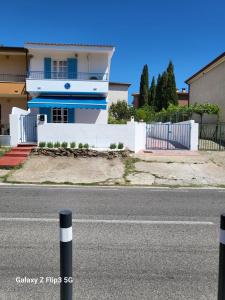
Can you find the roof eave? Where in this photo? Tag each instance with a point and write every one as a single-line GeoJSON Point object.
{"type": "Point", "coordinates": [206, 68]}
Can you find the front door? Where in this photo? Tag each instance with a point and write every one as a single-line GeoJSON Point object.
{"type": "Point", "coordinates": [28, 128]}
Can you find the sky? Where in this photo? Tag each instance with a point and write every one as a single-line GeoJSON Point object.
{"type": "Point", "coordinates": [190, 33]}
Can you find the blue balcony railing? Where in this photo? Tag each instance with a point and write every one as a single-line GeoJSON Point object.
{"type": "Point", "coordinates": [12, 77]}
{"type": "Point", "coordinates": [39, 75]}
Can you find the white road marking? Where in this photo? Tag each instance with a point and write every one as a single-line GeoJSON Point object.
{"type": "Point", "coordinates": [97, 221]}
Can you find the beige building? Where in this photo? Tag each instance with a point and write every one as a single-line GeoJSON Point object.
{"type": "Point", "coordinates": [118, 91]}
{"type": "Point", "coordinates": [13, 66]}
{"type": "Point", "coordinates": [208, 85]}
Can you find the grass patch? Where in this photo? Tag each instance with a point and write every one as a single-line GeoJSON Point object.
{"type": "Point", "coordinates": [3, 150]}
{"type": "Point", "coordinates": [129, 167]}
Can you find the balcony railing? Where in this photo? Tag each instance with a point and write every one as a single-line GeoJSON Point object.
{"type": "Point", "coordinates": [39, 75]}
{"type": "Point", "coordinates": [12, 77]}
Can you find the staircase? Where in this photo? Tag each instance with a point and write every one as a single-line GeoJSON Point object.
{"type": "Point", "coordinates": [16, 156]}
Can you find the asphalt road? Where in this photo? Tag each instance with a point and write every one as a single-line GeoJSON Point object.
{"type": "Point", "coordinates": [129, 243]}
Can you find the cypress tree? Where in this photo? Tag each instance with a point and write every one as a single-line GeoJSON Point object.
{"type": "Point", "coordinates": [164, 89]}
{"type": "Point", "coordinates": [158, 93]}
{"type": "Point", "coordinates": [152, 93]}
{"type": "Point", "coordinates": [144, 86]}
{"type": "Point", "coordinates": [171, 89]}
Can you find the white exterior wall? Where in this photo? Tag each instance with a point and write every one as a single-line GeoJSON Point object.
{"type": "Point", "coordinates": [86, 63]}
{"type": "Point", "coordinates": [91, 116]}
{"type": "Point", "coordinates": [132, 135]}
{"type": "Point", "coordinates": [210, 88]}
{"type": "Point", "coordinates": [117, 92]}
{"type": "Point", "coordinates": [93, 63]}
{"type": "Point", "coordinates": [5, 140]}
{"type": "Point", "coordinates": [76, 86]}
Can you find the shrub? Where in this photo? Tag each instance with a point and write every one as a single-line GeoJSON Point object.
{"type": "Point", "coordinates": [86, 146]}
{"type": "Point", "coordinates": [80, 146]}
{"type": "Point", "coordinates": [72, 145]}
{"type": "Point", "coordinates": [120, 146]}
{"type": "Point", "coordinates": [112, 146]}
{"type": "Point", "coordinates": [57, 145]}
{"type": "Point", "coordinates": [64, 145]}
{"type": "Point", "coordinates": [50, 145]}
{"type": "Point", "coordinates": [112, 120]}
{"type": "Point", "coordinates": [119, 110]}
{"type": "Point", "coordinates": [42, 144]}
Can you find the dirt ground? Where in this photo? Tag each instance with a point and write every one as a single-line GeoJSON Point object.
{"type": "Point", "coordinates": [150, 169]}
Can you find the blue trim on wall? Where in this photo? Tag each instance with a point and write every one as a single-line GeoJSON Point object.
{"type": "Point", "coordinates": [69, 103]}
{"type": "Point", "coordinates": [70, 115]}
{"type": "Point", "coordinates": [46, 111]}
{"type": "Point", "coordinates": [47, 67]}
{"type": "Point", "coordinates": [72, 68]}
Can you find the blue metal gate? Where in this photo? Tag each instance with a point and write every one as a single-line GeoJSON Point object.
{"type": "Point", "coordinates": [167, 136]}
{"type": "Point", "coordinates": [28, 128]}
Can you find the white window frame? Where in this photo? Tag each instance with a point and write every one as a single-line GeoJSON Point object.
{"type": "Point", "coordinates": [59, 69]}
{"type": "Point", "coordinates": [62, 110]}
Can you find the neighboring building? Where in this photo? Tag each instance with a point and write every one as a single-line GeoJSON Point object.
{"type": "Point", "coordinates": [13, 66]}
{"type": "Point", "coordinates": [135, 99]}
{"type": "Point", "coordinates": [118, 91]}
{"type": "Point", "coordinates": [69, 82]}
{"type": "Point", "coordinates": [183, 98]}
{"type": "Point", "coordinates": [208, 85]}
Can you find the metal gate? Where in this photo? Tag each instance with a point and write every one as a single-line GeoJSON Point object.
{"type": "Point", "coordinates": [28, 128]}
{"type": "Point", "coordinates": [211, 137]}
{"type": "Point", "coordinates": [161, 136]}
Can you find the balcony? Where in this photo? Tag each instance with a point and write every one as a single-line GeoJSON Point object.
{"type": "Point", "coordinates": [40, 75]}
{"type": "Point", "coordinates": [67, 82]}
{"type": "Point", "coordinates": [12, 77]}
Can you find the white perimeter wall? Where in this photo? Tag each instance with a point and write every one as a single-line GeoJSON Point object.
{"type": "Point", "coordinates": [132, 135]}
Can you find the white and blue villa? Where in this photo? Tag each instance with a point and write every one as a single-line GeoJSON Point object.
{"type": "Point", "coordinates": [69, 82]}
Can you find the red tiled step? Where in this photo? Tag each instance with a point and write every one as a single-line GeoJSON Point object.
{"type": "Point", "coordinates": [21, 149]}
{"type": "Point", "coordinates": [11, 161]}
{"type": "Point", "coordinates": [17, 154]}
{"type": "Point", "coordinates": [26, 145]}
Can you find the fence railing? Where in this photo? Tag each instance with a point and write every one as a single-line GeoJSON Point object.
{"type": "Point", "coordinates": [212, 137]}
{"type": "Point", "coordinates": [12, 77]}
{"type": "Point", "coordinates": [67, 75]}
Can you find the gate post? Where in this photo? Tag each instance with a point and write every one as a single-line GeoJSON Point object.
{"type": "Point", "coordinates": [66, 287]}
{"type": "Point", "coordinates": [221, 289]}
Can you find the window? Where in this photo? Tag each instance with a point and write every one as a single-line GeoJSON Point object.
{"type": "Point", "coordinates": [60, 69]}
{"type": "Point", "coordinates": [59, 115]}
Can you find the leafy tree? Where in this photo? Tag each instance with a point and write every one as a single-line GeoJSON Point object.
{"type": "Point", "coordinates": [119, 110]}
{"type": "Point", "coordinates": [171, 89]}
{"type": "Point", "coordinates": [206, 108]}
{"type": "Point", "coordinates": [144, 86]}
{"type": "Point", "coordinates": [152, 93]}
{"type": "Point", "coordinates": [145, 113]}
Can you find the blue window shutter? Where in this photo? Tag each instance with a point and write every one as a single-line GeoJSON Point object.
{"type": "Point", "coordinates": [70, 115]}
{"type": "Point", "coordinates": [47, 67]}
{"type": "Point", "coordinates": [46, 111]}
{"type": "Point", "coordinates": [72, 68]}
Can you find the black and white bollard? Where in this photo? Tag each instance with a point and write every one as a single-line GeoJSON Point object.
{"type": "Point", "coordinates": [221, 289]}
{"type": "Point", "coordinates": [66, 286]}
